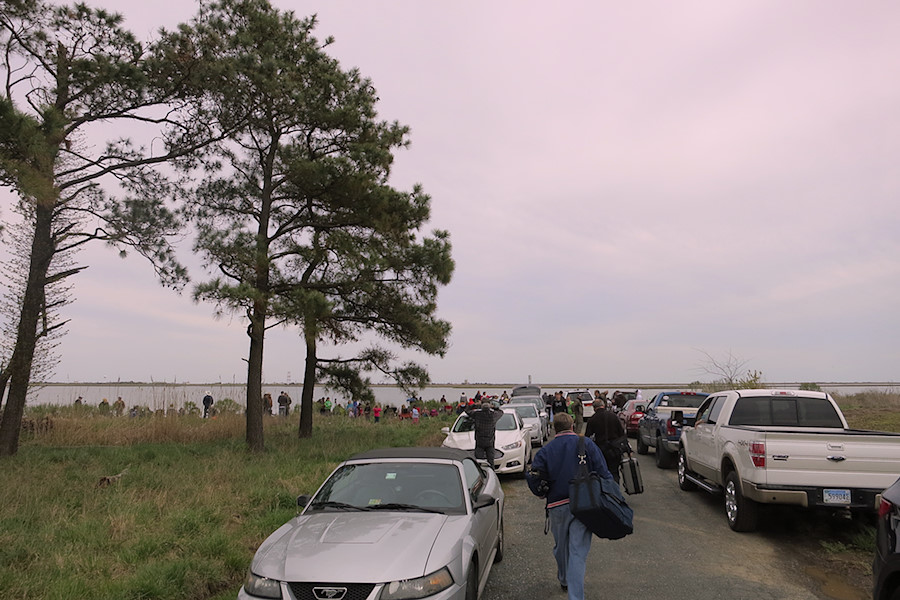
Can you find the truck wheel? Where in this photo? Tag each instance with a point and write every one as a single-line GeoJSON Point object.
{"type": "Point", "coordinates": [741, 512]}
{"type": "Point", "coordinates": [683, 482]}
{"type": "Point", "coordinates": [641, 446]}
{"type": "Point", "coordinates": [664, 458]}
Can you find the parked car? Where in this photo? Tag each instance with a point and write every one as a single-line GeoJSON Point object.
{"type": "Point", "coordinates": [538, 403]}
{"type": "Point", "coordinates": [631, 415]}
{"type": "Point", "coordinates": [783, 447]}
{"type": "Point", "coordinates": [587, 401]}
{"type": "Point", "coordinates": [433, 518]}
{"type": "Point", "coordinates": [886, 566]}
{"type": "Point", "coordinates": [540, 432]}
{"type": "Point", "coordinates": [512, 441]}
{"type": "Point", "coordinates": [657, 430]}
{"type": "Point", "coordinates": [526, 390]}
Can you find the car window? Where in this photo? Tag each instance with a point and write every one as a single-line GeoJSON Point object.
{"type": "Point", "coordinates": [705, 408]}
{"type": "Point", "coordinates": [474, 476]}
{"type": "Point", "coordinates": [526, 411]}
{"type": "Point", "coordinates": [717, 405]}
{"type": "Point", "coordinates": [435, 486]}
{"type": "Point", "coordinates": [683, 400]}
{"type": "Point", "coordinates": [786, 412]}
{"type": "Point", "coordinates": [507, 422]}
{"type": "Point", "coordinates": [464, 424]}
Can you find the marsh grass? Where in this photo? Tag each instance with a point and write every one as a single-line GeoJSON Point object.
{"type": "Point", "coordinates": [879, 411]}
{"type": "Point", "coordinates": [186, 515]}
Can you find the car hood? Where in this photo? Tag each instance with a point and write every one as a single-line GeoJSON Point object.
{"type": "Point", "coordinates": [318, 546]}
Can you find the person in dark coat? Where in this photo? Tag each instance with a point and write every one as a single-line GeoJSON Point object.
{"type": "Point", "coordinates": [485, 419]}
{"type": "Point", "coordinates": [207, 404]}
{"type": "Point", "coordinates": [607, 432]}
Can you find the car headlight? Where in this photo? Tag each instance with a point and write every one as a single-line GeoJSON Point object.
{"type": "Point", "coordinates": [513, 446]}
{"type": "Point", "coordinates": [418, 588]}
{"type": "Point", "coordinates": [256, 585]}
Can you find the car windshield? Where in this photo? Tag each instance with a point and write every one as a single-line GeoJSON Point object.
{"type": "Point", "coordinates": [526, 411]}
{"type": "Point", "coordinates": [465, 423]}
{"type": "Point", "coordinates": [686, 400]}
{"type": "Point", "coordinates": [409, 486]}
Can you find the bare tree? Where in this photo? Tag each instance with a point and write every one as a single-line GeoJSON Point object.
{"type": "Point", "coordinates": [725, 370]}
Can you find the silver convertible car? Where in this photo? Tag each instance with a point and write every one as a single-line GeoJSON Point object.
{"type": "Point", "coordinates": [391, 524]}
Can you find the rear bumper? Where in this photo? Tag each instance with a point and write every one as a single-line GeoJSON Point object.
{"type": "Point", "coordinates": [860, 499]}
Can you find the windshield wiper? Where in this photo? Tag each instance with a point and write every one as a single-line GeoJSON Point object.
{"type": "Point", "coordinates": [332, 504]}
{"type": "Point", "coordinates": [399, 506]}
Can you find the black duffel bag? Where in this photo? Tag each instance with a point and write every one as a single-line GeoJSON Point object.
{"type": "Point", "coordinates": [598, 502]}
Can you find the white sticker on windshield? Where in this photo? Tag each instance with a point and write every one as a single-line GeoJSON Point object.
{"type": "Point", "coordinates": [390, 476]}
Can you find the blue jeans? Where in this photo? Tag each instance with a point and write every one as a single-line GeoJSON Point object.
{"type": "Point", "coordinates": [573, 541]}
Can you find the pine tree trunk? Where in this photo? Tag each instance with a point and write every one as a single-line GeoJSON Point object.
{"type": "Point", "coordinates": [42, 250]}
{"type": "Point", "coordinates": [309, 384]}
{"type": "Point", "coordinates": [256, 331]}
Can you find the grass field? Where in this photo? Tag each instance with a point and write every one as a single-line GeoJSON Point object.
{"type": "Point", "coordinates": [187, 505]}
{"type": "Point", "coordinates": [187, 513]}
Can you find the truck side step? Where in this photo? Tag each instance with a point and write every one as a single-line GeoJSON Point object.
{"type": "Point", "coordinates": [703, 484]}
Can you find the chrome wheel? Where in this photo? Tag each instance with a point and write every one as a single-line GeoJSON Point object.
{"type": "Point", "coordinates": [683, 482]}
{"type": "Point", "coordinates": [731, 505]}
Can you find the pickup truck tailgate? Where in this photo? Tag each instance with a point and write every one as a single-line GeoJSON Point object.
{"type": "Point", "coordinates": [831, 458]}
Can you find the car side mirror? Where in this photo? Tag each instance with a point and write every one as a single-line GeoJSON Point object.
{"type": "Point", "coordinates": [484, 500]}
{"type": "Point", "coordinates": [445, 430]}
{"type": "Point", "coordinates": [303, 500]}
{"type": "Point", "coordinates": [639, 408]}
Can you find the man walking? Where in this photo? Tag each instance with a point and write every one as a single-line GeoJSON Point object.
{"type": "Point", "coordinates": [485, 419]}
{"type": "Point", "coordinates": [607, 432]}
{"type": "Point", "coordinates": [551, 470]}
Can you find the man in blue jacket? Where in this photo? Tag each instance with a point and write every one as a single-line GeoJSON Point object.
{"type": "Point", "coordinates": [551, 470]}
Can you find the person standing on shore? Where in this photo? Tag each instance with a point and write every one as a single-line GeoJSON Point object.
{"type": "Point", "coordinates": [207, 404]}
{"type": "Point", "coordinates": [284, 404]}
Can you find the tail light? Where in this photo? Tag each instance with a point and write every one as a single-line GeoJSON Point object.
{"type": "Point", "coordinates": [884, 508]}
{"type": "Point", "coordinates": [670, 429]}
{"type": "Point", "coordinates": [758, 454]}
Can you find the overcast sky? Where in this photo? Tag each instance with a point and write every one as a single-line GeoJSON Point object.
{"type": "Point", "coordinates": [626, 185]}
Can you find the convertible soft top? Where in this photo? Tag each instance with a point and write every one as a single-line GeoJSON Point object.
{"type": "Point", "coordinates": [418, 452]}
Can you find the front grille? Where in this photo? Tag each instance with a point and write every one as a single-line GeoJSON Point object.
{"type": "Point", "coordinates": [355, 591]}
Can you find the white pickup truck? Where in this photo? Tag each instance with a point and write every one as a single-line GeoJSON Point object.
{"type": "Point", "coordinates": [783, 447]}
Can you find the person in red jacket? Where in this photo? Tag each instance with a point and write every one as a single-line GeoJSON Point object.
{"type": "Point", "coordinates": [376, 412]}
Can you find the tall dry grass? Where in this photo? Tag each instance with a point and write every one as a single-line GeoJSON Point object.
{"type": "Point", "coordinates": [879, 411]}
{"type": "Point", "coordinates": [99, 507]}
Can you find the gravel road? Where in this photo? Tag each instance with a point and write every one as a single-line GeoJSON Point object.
{"type": "Point", "coordinates": [681, 549]}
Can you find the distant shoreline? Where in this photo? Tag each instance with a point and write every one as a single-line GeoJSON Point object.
{"type": "Point", "coordinates": [466, 384]}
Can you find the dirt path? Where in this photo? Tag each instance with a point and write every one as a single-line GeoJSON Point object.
{"type": "Point", "coordinates": [682, 548]}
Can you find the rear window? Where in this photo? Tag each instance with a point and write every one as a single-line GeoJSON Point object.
{"type": "Point", "coordinates": [685, 400]}
{"type": "Point", "coordinates": [785, 412]}
{"type": "Point", "coordinates": [526, 411]}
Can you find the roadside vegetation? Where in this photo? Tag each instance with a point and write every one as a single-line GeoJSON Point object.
{"type": "Point", "coordinates": [872, 410]}
{"type": "Point", "coordinates": [159, 507]}
{"type": "Point", "coordinates": [156, 507]}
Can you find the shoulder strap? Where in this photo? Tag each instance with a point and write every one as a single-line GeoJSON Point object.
{"type": "Point", "coordinates": [583, 460]}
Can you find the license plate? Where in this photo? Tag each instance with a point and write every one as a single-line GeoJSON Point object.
{"type": "Point", "coordinates": [831, 496]}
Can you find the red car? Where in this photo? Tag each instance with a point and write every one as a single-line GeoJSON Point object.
{"type": "Point", "coordinates": [630, 415]}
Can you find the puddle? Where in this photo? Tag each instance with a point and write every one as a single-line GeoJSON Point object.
{"type": "Point", "coordinates": [833, 586]}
